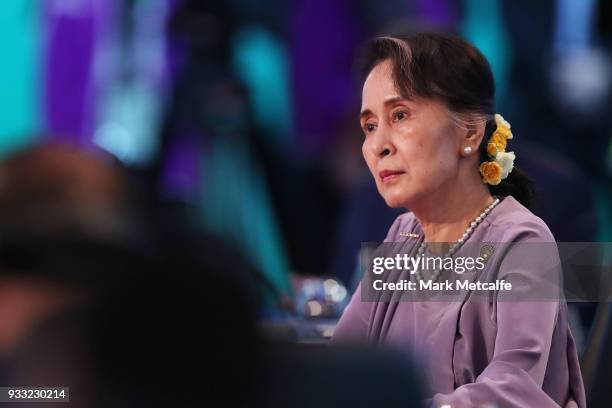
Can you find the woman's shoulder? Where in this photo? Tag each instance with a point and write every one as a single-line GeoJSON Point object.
{"type": "Point", "coordinates": [512, 221]}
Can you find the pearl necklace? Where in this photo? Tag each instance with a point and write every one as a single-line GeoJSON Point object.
{"type": "Point", "coordinates": [455, 247]}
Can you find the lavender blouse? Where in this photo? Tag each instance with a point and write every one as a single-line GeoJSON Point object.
{"type": "Point", "coordinates": [474, 353]}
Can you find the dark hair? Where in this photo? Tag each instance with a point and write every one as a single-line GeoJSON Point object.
{"type": "Point", "coordinates": [452, 71]}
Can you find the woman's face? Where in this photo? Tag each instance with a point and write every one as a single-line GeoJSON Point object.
{"type": "Point", "coordinates": [411, 147]}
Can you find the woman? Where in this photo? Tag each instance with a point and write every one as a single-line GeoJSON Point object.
{"type": "Point", "coordinates": [435, 145]}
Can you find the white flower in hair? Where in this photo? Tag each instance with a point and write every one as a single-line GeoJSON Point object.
{"type": "Point", "coordinates": [506, 162]}
{"type": "Point", "coordinates": [503, 127]}
{"type": "Point", "coordinates": [500, 121]}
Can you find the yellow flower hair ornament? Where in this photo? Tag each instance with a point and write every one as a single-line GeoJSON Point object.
{"type": "Point", "coordinates": [500, 163]}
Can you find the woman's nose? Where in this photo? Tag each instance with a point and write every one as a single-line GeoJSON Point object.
{"type": "Point", "coordinates": [385, 152]}
{"type": "Point", "coordinates": [383, 146]}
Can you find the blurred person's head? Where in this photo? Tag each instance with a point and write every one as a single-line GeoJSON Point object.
{"type": "Point", "coordinates": [82, 305]}
{"type": "Point", "coordinates": [63, 215]}
{"type": "Point", "coordinates": [426, 98]}
{"type": "Point", "coordinates": [52, 188]}
{"type": "Point", "coordinates": [61, 212]}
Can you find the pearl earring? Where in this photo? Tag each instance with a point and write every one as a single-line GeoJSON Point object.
{"type": "Point", "coordinates": [467, 150]}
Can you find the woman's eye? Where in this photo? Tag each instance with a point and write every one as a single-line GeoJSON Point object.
{"type": "Point", "coordinates": [401, 115]}
{"type": "Point", "coordinates": [397, 116]}
{"type": "Point", "coordinates": [369, 127]}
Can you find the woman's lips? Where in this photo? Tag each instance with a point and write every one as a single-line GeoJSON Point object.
{"type": "Point", "coordinates": [389, 175]}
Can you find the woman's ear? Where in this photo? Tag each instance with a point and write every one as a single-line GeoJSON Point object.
{"type": "Point", "coordinates": [474, 131]}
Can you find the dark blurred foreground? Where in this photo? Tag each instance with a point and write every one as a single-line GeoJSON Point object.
{"type": "Point", "coordinates": [100, 293]}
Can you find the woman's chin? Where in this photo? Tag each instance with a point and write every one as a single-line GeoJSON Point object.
{"type": "Point", "coordinates": [395, 201]}
{"type": "Point", "coordinates": [396, 195]}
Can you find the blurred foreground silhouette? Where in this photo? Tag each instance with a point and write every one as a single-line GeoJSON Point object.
{"type": "Point", "coordinates": [97, 295]}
